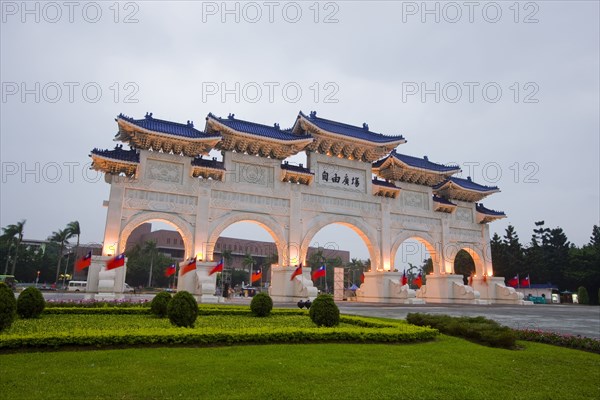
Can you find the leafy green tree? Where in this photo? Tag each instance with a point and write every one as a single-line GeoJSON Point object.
{"type": "Point", "coordinates": [464, 265]}
{"type": "Point", "coordinates": [13, 233]}
{"type": "Point", "coordinates": [582, 295]}
{"type": "Point", "coordinates": [75, 230]}
{"type": "Point", "coordinates": [61, 238]}
{"type": "Point", "coordinates": [248, 262]}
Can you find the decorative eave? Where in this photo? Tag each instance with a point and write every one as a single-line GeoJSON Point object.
{"type": "Point", "coordinates": [485, 215]}
{"type": "Point", "coordinates": [463, 189]}
{"type": "Point", "coordinates": [208, 169]}
{"type": "Point", "coordinates": [182, 138]}
{"type": "Point", "coordinates": [385, 189]}
{"type": "Point", "coordinates": [399, 167]}
{"type": "Point", "coordinates": [115, 162]}
{"type": "Point", "coordinates": [443, 205]}
{"type": "Point", "coordinates": [368, 149]}
{"type": "Point", "coordinates": [296, 174]}
{"type": "Point", "coordinates": [280, 145]}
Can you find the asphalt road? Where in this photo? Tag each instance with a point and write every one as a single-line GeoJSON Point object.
{"type": "Point", "coordinates": [561, 318]}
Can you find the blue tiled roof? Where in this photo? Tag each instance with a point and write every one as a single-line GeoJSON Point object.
{"type": "Point", "coordinates": [376, 181]}
{"type": "Point", "coordinates": [273, 132]}
{"type": "Point", "coordinates": [201, 162]}
{"type": "Point", "coordinates": [118, 153]}
{"type": "Point", "coordinates": [416, 162]}
{"type": "Point", "coordinates": [467, 184]}
{"type": "Point", "coordinates": [296, 168]}
{"type": "Point", "coordinates": [362, 133]}
{"type": "Point", "coordinates": [481, 209]}
{"type": "Point", "coordinates": [186, 130]}
{"type": "Point", "coordinates": [442, 200]}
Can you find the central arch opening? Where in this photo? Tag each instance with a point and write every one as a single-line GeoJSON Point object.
{"type": "Point", "coordinates": [413, 256]}
{"type": "Point", "coordinates": [248, 251]}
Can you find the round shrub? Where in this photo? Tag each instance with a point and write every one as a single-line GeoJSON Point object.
{"type": "Point", "coordinates": [159, 304]}
{"type": "Point", "coordinates": [30, 303]}
{"type": "Point", "coordinates": [183, 309]}
{"type": "Point", "coordinates": [261, 305]}
{"type": "Point", "coordinates": [8, 307]}
{"type": "Point", "coordinates": [324, 311]}
{"type": "Point", "coordinates": [582, 295]}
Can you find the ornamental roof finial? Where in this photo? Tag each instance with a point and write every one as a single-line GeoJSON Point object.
{"type": "Point", "coordinates": [276, 125]}
{"type": "Point", "coordinates": [190, 124]}
{"type": "Point", "coordinates": [231, 116]}
{"type": "Point", "coordinates": [425, 158]}
{"type": "Point", "coordinates": [313, 114]}
{"type": "Point", "coordinates": [365, 126]}
{"type": "Point", "coordinates": [148, 115]}
{"type": "Point", "coordinates": [469, 178]}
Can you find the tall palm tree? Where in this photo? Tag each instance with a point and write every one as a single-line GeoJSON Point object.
{"type": "Point", "coordinates": [14, 234]}
{"type": "Point", "coordinates": [151, 249]}
{"type": "Point", "coordinates": [60, 237]}
{"type": "Point", "coordinates": [75, 230]}
{"type": "Point", "coordinates": [248, 262]}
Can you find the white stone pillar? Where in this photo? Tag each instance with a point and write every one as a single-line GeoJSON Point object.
{"type": "Point", "coordinates": [112, 231]}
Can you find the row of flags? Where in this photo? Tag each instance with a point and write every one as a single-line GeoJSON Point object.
{"type": "Point", "coordinates": [515, 282]}
{"type": "Point", "coordinates": [320, 272]}
{"type": "Point", "coordinates": [113, 263]}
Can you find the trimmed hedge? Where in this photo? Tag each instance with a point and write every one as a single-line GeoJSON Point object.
{"type": "Point", "coordinates": [261, 305]}
{"type": "Point", "coordinates": [476, 329]}
{"type": "Point", "coordinates": [159, 304]}
{"type": "Point", "coordinates": [379, 332]}
{"type": "Point", "coordinates": [8, 306]}
{"type": "Point", "coordinates": [30, 303]}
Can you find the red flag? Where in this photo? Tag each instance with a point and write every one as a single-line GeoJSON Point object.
{"type": "Point", "coordinates": [320, 272]}
{"type": "Point", "coordinates": [525, 282]}
{"type": "Point", "coordinates": [362, 277]}
{"type": "Point", "coordinates": [190, 266]}
{"type": "Point", "coordinates": [404, 278]}
{"type": "Point", "coordinates": [418, 281]}
{"type": "Point", "coordinates": [116, 262]}
{"type": "Point", "coordinates": [171, 269]}
{"type": "Point", "coordinates": [217, 268]}
{"type": "Point", "coordinates": [256, 275]}
{"type": "Point", "coordinates": [514, 282]}
{"type": "Point", "coordinates": [297, 271]}
{"type": "Point", "coordinates": [84, 262]}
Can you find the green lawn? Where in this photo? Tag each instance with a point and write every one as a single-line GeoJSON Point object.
{"type": "Point", "coordinates": [448, 368]}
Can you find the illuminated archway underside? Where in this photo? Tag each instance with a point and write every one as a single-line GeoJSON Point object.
{"type": "Point", "coordinates": [163, 177]}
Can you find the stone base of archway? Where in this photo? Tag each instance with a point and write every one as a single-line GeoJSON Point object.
{"type": "Point", "coordinates": [449, 289]}
{"type": "Point", "coordinates": [199, 283]}
{"type": "Point", "coordinates": [386, 287]}
{"type": "Point", "coordinates": [286, 290]}
{"type": "Point", "coordinates": [103, 285]}
{"type": "Point", "coordinates": [494, 290]}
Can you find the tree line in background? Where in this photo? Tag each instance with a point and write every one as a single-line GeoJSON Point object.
{"type": "Point", "coordinates": [549, 258]}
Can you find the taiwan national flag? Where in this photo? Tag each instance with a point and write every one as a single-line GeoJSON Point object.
{"type": "Point", "coordinates": [84, 262]}
{"type": "Point", "coordinates": [256, 275]}
{"type": "Point", "coordinates": [171, 269]}
{"type": "Point", "coordinates": [190, 266]}
{"type": "Point", "coordinates": [217, 268]}
{"type": "Point", "coordinates": [362, 277]}
{"type": "Point", "coordinates": [525, 282]}
{"type": "Point", "coordinates": [116, 262]}
{"type": "Point", "coordinates": [514, 282]}
{"type": "Point", "coordinates": [418, 281]}
{"type": "Point", "coordinates": [297, 271]}
{"type": "Point", "coordinates": [404, 278]}
{"type": "Point", "coordinates": [319, 273]}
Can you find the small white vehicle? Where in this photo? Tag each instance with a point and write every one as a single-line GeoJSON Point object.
{"type": "Point", "coordinates": [77, 286]}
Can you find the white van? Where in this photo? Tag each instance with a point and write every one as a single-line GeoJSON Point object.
{"type": "Point", "coordinates": [77, 286]}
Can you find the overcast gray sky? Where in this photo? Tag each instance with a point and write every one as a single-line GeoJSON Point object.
{"type": "Point", "coordinates": [508, 91]}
